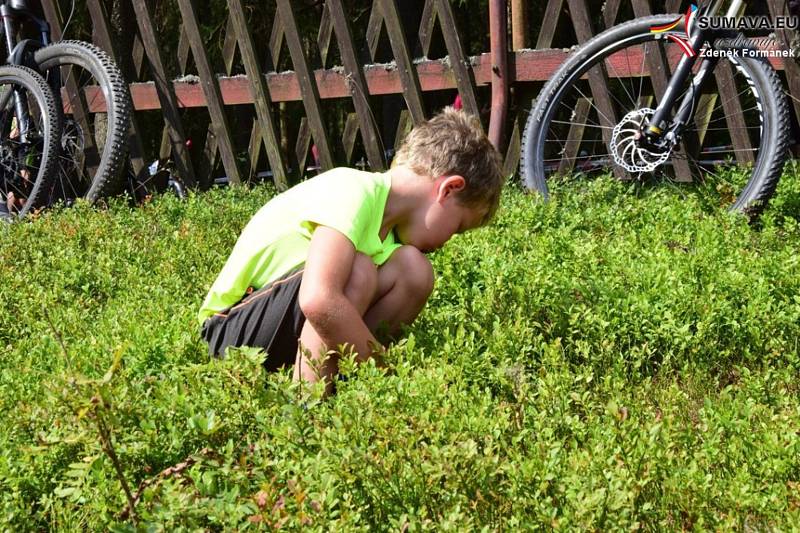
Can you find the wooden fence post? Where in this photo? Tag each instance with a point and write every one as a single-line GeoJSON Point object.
{"type": "Point", "coordinates": [519, 24]}
{"type": "Point", "coordinates": [100, 26]}
{"type": "Point", "coordinates": [308, 83]}
{"type": "Point", "coordinates": [260, 94]}
{"type": "Point", "coordinates": [357, 85]}
{"type": "Point", "coordinates": [210, 87]}
{"type": "Point", "coordinates": [405, 66]}
{"type": "Point", "coordinates": [166, 94]}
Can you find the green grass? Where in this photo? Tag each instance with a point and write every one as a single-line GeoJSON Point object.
{"type": "Point", "coordinates": [620, 357]}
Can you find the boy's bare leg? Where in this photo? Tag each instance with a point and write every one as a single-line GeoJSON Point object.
{"type": "Point", "coordinates": [405, 282]}
{"type": "Point", "coordinates": [390, 296]}
{"type": "Point", "coordinates": [360, 290]}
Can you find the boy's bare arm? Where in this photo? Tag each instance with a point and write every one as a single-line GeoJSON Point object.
{"type": "Point", "coordinates": [322, 293]}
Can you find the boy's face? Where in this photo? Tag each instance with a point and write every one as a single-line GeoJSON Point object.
{"type": "Point", "coordinates": [440, 216]}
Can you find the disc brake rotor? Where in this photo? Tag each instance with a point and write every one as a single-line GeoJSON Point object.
{"type": "Point", "coordinates": [626, 149]}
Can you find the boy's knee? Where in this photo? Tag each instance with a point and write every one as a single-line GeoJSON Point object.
{"type": "Point", "coordinates": [363, 283]}
{"type": "Point", "coordinates": [417, 272]}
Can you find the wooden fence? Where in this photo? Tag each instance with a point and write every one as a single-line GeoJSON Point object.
{"type": "Point", "coordinates": [244, 90]}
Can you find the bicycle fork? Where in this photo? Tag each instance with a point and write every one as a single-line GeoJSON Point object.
{"type": "Point", "coordinates": [21, 110]}
{"type": "Point", "coordinates": [14, 54]}
{"type": "Point", "coordinates": [658, 130]}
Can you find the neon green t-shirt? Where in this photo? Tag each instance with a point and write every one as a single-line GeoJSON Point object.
{"type": "Point", "coordinates": [277, 238]}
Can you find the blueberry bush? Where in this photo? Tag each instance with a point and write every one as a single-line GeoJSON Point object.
{"type": "Point", "coordinates": [622, 357]}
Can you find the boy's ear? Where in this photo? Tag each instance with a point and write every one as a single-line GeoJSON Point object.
{"type": "Point", "coordinates": [451, 185]}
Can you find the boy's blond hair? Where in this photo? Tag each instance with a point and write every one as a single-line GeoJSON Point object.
{"type": "Point", "coordinates": [453, 143]}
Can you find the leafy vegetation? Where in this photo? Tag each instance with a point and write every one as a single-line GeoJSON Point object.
{"type": "Point", "coordinates": [621, 357]}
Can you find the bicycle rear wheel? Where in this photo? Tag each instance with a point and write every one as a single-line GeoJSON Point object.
{"type": "Point", "coordinates": [737, 139]}
{"type": "Point", "coordinates": [97, 108]}
{"type": "Point", "coordinates": [30, 130]}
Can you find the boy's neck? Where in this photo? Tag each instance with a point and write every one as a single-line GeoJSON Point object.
{"type": "Point", "coordinates": [408, 189]}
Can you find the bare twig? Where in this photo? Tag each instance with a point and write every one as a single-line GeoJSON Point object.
{"type": "Point", "coordinates": [108, 447]}
{"type": "Point", "coordinates": [175, 470]}
{"type": "Point", "coordinates": [58, 338]}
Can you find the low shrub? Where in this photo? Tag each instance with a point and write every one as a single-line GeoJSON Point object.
{"type": "Point", "coordinates": [620, 357]}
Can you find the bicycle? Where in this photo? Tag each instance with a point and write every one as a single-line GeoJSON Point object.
{"type": "Point", "coordinates": [717, 117]}
{"type": "Point", "coordinates": [30, 131]}
{"type": "Point", "coordinates": [94, 104]}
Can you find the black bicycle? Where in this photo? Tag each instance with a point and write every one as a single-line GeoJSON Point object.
{"type": "Point", "coordinates": [79, 154]}
{"type": "Point", "coordinates": [653, 98]}
{"type": "Point", "coordinates": [30, 131]}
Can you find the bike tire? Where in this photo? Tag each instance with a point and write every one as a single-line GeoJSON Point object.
{"type": "Point", "coordinates": [775, 115]}
{"type": "Point", "coordinates": [106, 179]}
{"type": "Point", "coordinates": [50, 118]}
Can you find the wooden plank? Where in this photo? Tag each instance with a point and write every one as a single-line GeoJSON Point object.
{"type": "Point", "coordinates": [301, 147]}
{"type": "Point", "coordinates": [520, 12]}
{"type": "Point", "coordinates": [209, 155]}
{"type": "Point", "coordinates": [777, 7]}
{"type": "Point", "coordinates": [211, 148]}
{"type": "Point", "coordinates": [598, 77]}
{"type": "Point", "coordinates": [104, 40]}
{"type": "Point", "coordinates": [308, 87]}
{"type": "Point", "coordinates": [325, 33]}
{"type": "Point", "coordinates": [260, 95]}
{"type": "Point", "coordinates": [254, 148]}
{"type": "Point", "coordinates": [732, 107]}
{"type": "Point", "coordinates": [674, 6]}
{"type": "Point", "coordinates": [270, 62]}
{"type": "Point", "coordinates": [702, 117]}
{"type": "Point", "coordinates": [659, 75]}
{"type": "Point", "coordinates": [381, 79]}
{"type": "Point", "coordinates": [511, 162]}
{"type": "Point", "coordinates": [51, 13]}
{"type": "Point", "coordinates": [358, 86]}
{"type": "Point", "coordinates": [229, 46]}
{"type": "Point", "coordinates": [459, 62]}
{"type": "Point", "coordinates": [349, 136]}
{"type": "Point", "coordinates": [575, 135]}
{"type": "Point", "coordinates": [549, 24]}
{"type": "Point", "coordinates": [210, 86]}
{"type": "Point", "coordinates": [165, 147]}
{"type": "Point", "coordinates": [103, 35]}
{"type": "Point", "coordinates": [100, 28]}
{"type": "Point", "coordinates": [404, 127]}
{"type": "Point", "coordinates": [166, 94]}
{"type": "Point", "coordinates": [610, 12]}
{"type": "Point", "coordinates": [434, 75]}
{"type": "Point", "coordinates": [374, 27]}
{"type": "Point", "coordinates": [276, 38]}
{"type": "Point", "coordinates": [206, 165]}
{"type": "Point", "coordinates": [183, 51]}
{"type": "Point", "coordinates": [138, 57]}
{"type": "Point", "coordinates": [426, 25]}
{"type": "Point", "coordinates": [405, 67]}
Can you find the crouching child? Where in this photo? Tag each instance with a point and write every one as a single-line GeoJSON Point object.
{"type": "Point", "coordinates": [342, 256]}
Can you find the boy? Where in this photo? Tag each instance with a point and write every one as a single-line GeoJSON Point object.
{"type": "Point", "coordinates": [335, 257]}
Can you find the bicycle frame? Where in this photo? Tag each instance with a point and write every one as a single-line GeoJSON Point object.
{"type": "Point", "coordinates": [657, 130]}
{"type": "Point", "coordinates": [10, 15]}
{"type": "Point", "coordinates": [16, 54]}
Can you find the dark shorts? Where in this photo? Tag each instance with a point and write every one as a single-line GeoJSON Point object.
{"type": "Point", "coordinates": [269, 318]}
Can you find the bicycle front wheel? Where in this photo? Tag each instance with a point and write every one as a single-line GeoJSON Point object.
{"type": "Point", "coordinates": [97, 109]}
{"type": "Point", "coordinates": [30, 130]}
{"type": "Point", "coordinates": [736, 141]}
